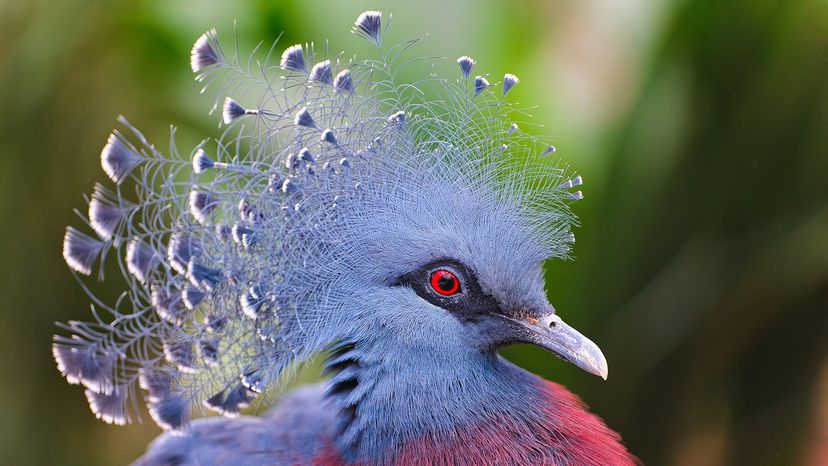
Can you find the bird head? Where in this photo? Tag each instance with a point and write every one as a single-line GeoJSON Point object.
{"type": "Point", "coordinates": [338, 206]}
{"type": "Point", "coordinates": [449, 259]}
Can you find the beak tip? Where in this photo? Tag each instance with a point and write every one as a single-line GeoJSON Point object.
{"type": "Point", "coordinates": [599, 368]}
{"type": "Point", "coordinates": [603, 370]}
{"type": "Point", "coordinates": [593, 360]}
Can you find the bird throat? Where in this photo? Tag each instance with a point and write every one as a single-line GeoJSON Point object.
{"type": "Point", "coordinates": [387, 403]}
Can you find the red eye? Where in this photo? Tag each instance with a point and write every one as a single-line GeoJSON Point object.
{"type": "Point", "coordinates": [445, 282]}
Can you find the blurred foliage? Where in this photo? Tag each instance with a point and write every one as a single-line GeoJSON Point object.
{"type": "Point", "coordinates": [701, 128]}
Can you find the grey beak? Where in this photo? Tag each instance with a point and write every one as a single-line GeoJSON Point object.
{"type": "Point", "coordinates": [554, 335]}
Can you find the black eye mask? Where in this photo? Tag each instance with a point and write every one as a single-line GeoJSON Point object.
{"type": "Point", "coordinates": [468, 303]}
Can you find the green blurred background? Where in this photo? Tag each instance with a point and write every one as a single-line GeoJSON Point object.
{"type": "Point", "coordinates": [700, 127]}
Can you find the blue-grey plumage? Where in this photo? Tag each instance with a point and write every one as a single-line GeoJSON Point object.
{"type": "Point", "coordinates": [343, 81]}
{"type": "Point", "coordinates": [84, 365]}
{"type": "Point", "coordinates": [202, 162]}
{"type": "Point", "coordinates": [232, 110]}
{"type": "Point", "coordinates": [466, 65]}
{"type": "Point", "coordinates": [202, 276]}
{"type": "Point", "coordinates": [168, 304]}
{"type": "Point", "coordinates": [109, 407]}
{"type": "Point", "coordinates": [369, 25]}
{"type": "Point", "coordinates": [480, 85]}
{"type": "Point", "coordinates": [119, 158]}
{"type": "Point", "coordinates": [285, 435]}
{"type": "Point", "coordinates": [106, 213]}
{"type": "Point", "coordinates": [329, 137]}
{"type": "Point", "coordinates": [304, 118]}
{"type": "Point", "coordinates": [170, 411]}
{"type": "Point", "coordinates": [180, 248]}
{"type": "Point", "coordinates": [402, 237]}
{"type": "Point", "coordinates": [192, 297]}
{"type": "Point", "coordinates": [140, 259]}
{"type": "Point", "coordinates": [202, 205]}
{"type": "Point", "coordinates": [157, 383]}
{"type": "Point", "coordinates": [509, 81]}
{"type": "Point", "coordinates": [81, 251]}
{"type": "Point", "coordinates": [293, 59]}
{"type": "Point", "coordinates": [321, 72]}
{"type": "Point", "coordinates": [397, 119]}
{"type": "Point", "coordinates": [209, 350]}
{"type": "Point", "coordinates": [181, 355]}
{"type": "Point", "coordinates": [204, 53]}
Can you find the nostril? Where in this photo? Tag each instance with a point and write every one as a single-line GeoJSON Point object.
{"type": "Point", "coordinates": [553, 324]}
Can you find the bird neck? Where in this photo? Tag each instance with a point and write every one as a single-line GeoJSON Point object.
{"type": "Point", "coordinates": [415, 407]}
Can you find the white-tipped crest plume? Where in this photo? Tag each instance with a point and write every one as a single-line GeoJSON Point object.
{"type": "Point", "coordinates": [241, 259]}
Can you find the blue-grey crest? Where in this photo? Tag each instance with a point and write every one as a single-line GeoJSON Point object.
{"type": "Point", "coordinates": [292, 233]}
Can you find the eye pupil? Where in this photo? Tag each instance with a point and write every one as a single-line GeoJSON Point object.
{"type": "Point", "coordinates": [445, 282]}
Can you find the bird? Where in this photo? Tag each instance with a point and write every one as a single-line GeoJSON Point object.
{"type": "Point", "coordinates": [395, 230]}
